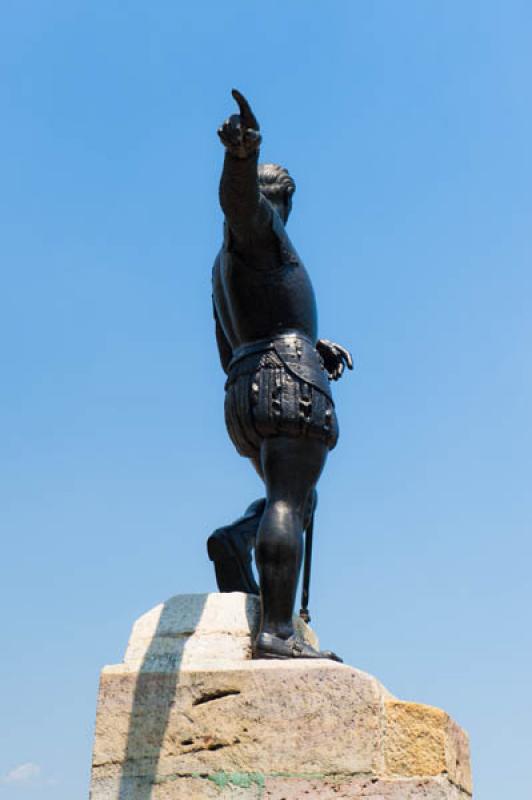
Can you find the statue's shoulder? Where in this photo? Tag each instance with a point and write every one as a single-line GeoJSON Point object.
{"type": "Point", "coordinates": [229, 256]}
{"type": "Point", "coordinates": [289, 254]}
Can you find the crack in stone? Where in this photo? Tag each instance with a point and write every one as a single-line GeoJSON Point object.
{"type": "Point", "coordinates": [218, 694]}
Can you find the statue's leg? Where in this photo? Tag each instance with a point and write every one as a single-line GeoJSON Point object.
{"type": "Point", "coordinates": [291, 468]}
{"type": "Point", "coordinates": [230, 548]}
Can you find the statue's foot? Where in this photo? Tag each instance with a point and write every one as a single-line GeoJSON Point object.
{"type": "Point", "coordinates": [269, 646]}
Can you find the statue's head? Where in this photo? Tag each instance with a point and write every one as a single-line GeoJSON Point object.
{"type": "Point", "coordinates": [277, 186]}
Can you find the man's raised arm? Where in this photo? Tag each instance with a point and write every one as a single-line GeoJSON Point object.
{"type": "Point", "coordinates": [246, 215]}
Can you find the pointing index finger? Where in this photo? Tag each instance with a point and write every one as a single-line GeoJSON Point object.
{"type": "Point", "coordinates": [246, 114]}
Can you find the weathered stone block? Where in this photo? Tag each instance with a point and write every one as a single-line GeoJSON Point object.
{"type": "Point", "coordinates": [189, 715]}
{"type": "Point", "coordinates": [197, 630]}
{"type": "Point", "coordinates": [422, 740]}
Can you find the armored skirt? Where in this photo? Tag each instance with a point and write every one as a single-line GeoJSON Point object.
{"type": "Point", "coordinates": [278, 388]}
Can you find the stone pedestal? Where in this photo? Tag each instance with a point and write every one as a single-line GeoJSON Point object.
{"type": "Point", "coordinates": [189, 716]}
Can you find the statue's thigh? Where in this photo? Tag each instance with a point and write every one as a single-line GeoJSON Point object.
{"type": "Point", "coordinates": [292, 466]}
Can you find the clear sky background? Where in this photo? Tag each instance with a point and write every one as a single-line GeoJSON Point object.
{"type": "Point", "coordinates": [408, 129]}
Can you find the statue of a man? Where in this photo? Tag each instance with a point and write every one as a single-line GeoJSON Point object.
{"type": "Point", "coordinates": [279, 409]}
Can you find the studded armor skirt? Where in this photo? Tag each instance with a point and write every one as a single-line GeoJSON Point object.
{"type": "Point", "coordinates": [265, 398]}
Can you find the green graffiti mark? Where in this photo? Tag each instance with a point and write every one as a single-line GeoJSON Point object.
{"type": "Point", "coordinates": [242, 780]}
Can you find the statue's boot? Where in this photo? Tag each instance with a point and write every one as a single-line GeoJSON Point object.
{"type": "Point", "coordinates": [230, 548]}
{"type": "Point", "coordinates": [269, 646]}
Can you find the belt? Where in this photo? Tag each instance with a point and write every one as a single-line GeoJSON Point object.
{"type": "Point", "coordinates": [298, 354]}
{"type": "Point", "coordinates": [263, 345]}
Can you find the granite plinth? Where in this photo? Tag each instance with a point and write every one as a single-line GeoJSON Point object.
{"type": "Point", "coordinates": [190, 715]}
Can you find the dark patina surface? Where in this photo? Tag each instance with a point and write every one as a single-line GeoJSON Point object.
{"type": "Point", "coordinates": [279, 409]}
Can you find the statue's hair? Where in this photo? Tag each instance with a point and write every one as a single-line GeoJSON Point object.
{"type": "Point", "coordinates": [275, 182]}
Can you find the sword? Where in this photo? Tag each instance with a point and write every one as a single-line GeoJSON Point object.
{"type": "Point", "coordinates": [309, 534]}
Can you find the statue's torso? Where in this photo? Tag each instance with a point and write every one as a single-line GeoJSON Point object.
{"type": "Point", "coordinates": [263, 295]}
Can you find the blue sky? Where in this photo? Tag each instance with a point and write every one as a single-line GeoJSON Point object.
{"type": "Point", "coordinates": [407, 127]}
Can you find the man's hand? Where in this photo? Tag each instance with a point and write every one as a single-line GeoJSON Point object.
{"type": "Point", "coordinates": [240, 133]}
{"type": "Point", "coordinates": [335, 358]}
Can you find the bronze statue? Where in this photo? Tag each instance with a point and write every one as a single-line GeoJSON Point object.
{"type": "Point", "coordinates": [279, 409]}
